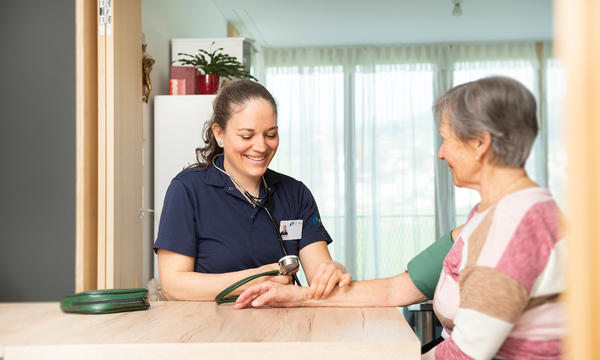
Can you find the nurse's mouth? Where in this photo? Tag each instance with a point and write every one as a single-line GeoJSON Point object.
{"type": "Point", "coordinates": [255, 159]}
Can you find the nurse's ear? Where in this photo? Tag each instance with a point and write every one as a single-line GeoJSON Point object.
{"type": "Point", "coordinates": [219, 133]}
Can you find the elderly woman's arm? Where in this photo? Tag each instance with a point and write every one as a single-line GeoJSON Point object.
{"type": "Point", "coordinates": [416, 285]}
{"type": "Point", "coordinates": [322, 273]}
{"type": "Point", "coordinates": [398, 290]}
{"type": "Point", "coordinates": [424, 269]}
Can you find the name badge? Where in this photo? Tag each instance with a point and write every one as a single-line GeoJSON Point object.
{"type": "Point", "coordinates": [290, 229]}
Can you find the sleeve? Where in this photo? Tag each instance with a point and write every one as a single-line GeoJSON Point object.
{"type": "Point", "coordinates": [176, 230]}
{"type": "Point", "coordinates": [495, 288]}
{"type": "Point", "coordinates": [312, 227]}
{"type": "Point", "coordinates": [425, 268]}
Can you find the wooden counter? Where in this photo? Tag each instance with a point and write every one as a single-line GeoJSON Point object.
{"type": "Point", "coordinates": [203, 330]}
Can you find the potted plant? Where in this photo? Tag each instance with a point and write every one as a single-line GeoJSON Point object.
{"type": "Point", "coordinates": [213, 65]}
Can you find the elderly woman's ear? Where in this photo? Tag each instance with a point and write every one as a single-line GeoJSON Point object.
{"type": "Point", "coordinates": [483, 145]}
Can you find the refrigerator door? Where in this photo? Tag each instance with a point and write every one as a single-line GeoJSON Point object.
{"type": "Point", "coordinates": [178, 124]}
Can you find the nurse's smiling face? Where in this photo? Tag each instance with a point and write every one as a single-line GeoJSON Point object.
{"type": "Point", "coordinates": [249, 140]}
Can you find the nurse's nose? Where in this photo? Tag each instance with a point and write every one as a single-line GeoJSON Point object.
{"type": "Point", "coordinates": [260, 144]}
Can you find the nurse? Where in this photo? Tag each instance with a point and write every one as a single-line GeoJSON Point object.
{"type": "Point", "coordinates": [211, 233]}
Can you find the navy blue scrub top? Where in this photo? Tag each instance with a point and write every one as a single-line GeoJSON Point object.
{"type": "Point", "coordinates": [205, 216]}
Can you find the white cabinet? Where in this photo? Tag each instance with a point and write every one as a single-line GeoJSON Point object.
{"type": "Point", "coordinates": [178, 124]}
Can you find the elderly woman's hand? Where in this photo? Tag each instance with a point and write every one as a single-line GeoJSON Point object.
{"type": "Point", "coordinates": [328, 275]}
{"type": "Point", "coordinates": [268, 293]}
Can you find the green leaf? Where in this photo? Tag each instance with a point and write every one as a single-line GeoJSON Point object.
{"type": "Point", "coordinates": [216, 62]}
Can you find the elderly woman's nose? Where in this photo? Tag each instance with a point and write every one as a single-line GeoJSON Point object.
{"type": "Point", "coordinates": [440, 153]}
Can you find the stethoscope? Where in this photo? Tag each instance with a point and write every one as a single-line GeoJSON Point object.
{"type": "Point", "coordinates": [288, 264]}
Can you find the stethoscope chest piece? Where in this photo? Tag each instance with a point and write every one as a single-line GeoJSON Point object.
{"type": "Point", "coordinates": [289, 265]}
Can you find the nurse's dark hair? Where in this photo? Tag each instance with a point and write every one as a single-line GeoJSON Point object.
{"type": "Point", "coordinates": [230, 98]}
{"type": "Point", "coordinates": [499, 105]}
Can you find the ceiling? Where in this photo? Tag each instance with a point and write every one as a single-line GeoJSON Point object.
{"type": "Point", "coordinates": [290, 23]}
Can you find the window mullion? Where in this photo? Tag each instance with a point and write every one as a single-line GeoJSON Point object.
{"type": "Point", "coordinates": [349, 172]}
{"type": "Point", "coordinates": [445, 207]}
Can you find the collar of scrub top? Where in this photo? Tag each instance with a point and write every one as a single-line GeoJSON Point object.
{"type": "Point", "coordinates": [216, 178]}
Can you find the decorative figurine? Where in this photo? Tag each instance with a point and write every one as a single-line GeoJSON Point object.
{"type": "Point", "coordinates": [147, 63]}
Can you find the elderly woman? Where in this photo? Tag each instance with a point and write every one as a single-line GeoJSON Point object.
{"type": "Point", "coordinates": [497, 293]}
{"type": "Point", "coordinates": [498, 290]}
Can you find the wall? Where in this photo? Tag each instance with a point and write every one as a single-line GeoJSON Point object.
{"type": "Point", "coordinates": [162, 21]}
{"type": "Point", "coordinates": [37, 150]}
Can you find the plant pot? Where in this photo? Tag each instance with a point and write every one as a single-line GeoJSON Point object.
{"type": "Point", "coordinates": [207, 83]}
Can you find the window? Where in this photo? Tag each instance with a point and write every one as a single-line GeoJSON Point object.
{"type": "Point", "coordinates": [393, 165]}
{"type": "Point", "coordinates": [356, 126]}
{"type": "Point", "coordinates": [557, 152]}
{"type": "Point", "coordinates": [387, 216]}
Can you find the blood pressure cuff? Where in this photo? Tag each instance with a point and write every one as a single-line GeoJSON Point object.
{"type": "Point", "coordinates": [106, 301]}
{"type": "Point", "coordinates": [424, 269]}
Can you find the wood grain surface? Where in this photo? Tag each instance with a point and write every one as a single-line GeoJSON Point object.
{"type": "Point", "coordinates": [178, 329]}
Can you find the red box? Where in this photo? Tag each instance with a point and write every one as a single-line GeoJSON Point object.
{"type": "Point", "coordinates": [189, 74]}
{"type": "Point", "coordinates": [177, 86]}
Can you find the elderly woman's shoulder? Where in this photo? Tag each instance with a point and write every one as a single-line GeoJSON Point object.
{"type": "Point", "coordinates": [525, 196]}
{"type": "Point", "coordinates": [529, 203]}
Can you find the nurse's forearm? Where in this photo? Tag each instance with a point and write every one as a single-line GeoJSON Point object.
{"type": "Point", "coordinates": [193, 286]}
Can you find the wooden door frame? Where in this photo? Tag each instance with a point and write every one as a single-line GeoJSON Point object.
{"type": "Point", "coordinates": [86, 228]}
{"type": "Point", "coordinates": [108, 137]}
{"type": "Point", "coordinates": [577, 34]}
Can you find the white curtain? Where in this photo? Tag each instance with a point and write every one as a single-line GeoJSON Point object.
{"type": "Point", "coordinates": [356, 127]}
{"type": "Point", "coordinates": [554, 86]}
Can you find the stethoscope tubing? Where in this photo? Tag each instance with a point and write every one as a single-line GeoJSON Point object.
{"type": "Point", "coordinates": [221, 299]}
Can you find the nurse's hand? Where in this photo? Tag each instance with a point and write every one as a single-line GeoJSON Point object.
{"type": "Point", "coordinates": [328, 275]}
{"type": "Point", "coordinates": [280, 279]}
{"type": "Point", "coordinates": [271, 294]}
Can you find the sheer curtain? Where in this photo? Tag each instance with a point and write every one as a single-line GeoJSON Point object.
{"type": "Point", "coordinates": [356, 127]}
{"type": "Point", "coordinates": [393, 165]}
{"type": "Point", "coordinates": [554, 86]}
{"type": "Point", "coordinates": [311, 122]}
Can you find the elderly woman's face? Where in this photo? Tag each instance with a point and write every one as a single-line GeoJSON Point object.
{"type": "Point", "coordinates": [460, 157]}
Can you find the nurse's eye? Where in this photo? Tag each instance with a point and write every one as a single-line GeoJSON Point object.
{"type": "Point", "coordinates": [246, 137]}
{"type": "Point", "coordinates": [272, 136]}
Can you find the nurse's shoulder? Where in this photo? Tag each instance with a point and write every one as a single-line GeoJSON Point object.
{"type": "Point", "coordinates": [199, 176]}
{"type": "Point", "coordinates": [194, 183]}
{"type": "Point", "coordinates": [295, 189]}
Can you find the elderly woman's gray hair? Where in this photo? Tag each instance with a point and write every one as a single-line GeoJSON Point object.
{"type": "Point", "coordinates": [499, 105]}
